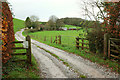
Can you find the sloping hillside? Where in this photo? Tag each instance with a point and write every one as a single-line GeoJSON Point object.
{"type": "Point", "coordinates": [18, 24]}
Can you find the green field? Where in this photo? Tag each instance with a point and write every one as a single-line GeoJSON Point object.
{"type": "Point", "coordinates": [18, 24]}
{"type": "Point", "coordinates": [20, 69]}
{"type": "Point", "coordinates": [68, 38]}
{"type": "Point", "coordinates": [71, 26]}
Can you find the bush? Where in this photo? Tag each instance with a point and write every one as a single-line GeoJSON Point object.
{"type": "Point", "coordinates": [33, 30]}
{"type": "Point", "coordinates": [96, 40]}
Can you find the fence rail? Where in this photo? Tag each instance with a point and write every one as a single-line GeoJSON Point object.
{"type": "Point", "coordinates": [83, 44]}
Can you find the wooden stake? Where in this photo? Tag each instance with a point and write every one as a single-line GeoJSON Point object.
{"type": "Point", "coordinates": [59, 39]}
{"type": "Point", "coordinates": [51, 39]}
{"type": "Point", "coordinates": [82, 44]}
{"type": "Point", "coordinates": [56, 39]}
{"type": "Point", "coordinates": [45, 38]}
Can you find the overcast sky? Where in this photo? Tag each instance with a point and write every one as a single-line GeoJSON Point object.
{"type": "Point", "coordinates": [45, 8]}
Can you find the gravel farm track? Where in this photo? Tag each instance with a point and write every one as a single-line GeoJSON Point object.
{"type": "Point", "coordinates": [51, 67]}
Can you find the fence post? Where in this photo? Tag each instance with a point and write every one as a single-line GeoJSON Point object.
{"type": "Point", "coordinates": [77, 42]}
{"type": "Point", "coordinates": [56, 39]}
{"type": "Point", "coordinates": [106, 38]}
{"type": "Point", "coordinates": [59, 39]}
{"type": "Point", "coordinates": [108, 49]}
{"type": "Point", "coordinates": [45, 38]}
{"type": "Point", "coordinates": [51, 39]}
{"type": "Point", "coordinates": [28, 49]}
{"type": "Point", "coordinates": [82, 44]}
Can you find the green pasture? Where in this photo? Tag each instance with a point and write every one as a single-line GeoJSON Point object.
{"type": "Point", "coordinates": [18, 24]}
{"type": "Point", "coordinates": [68, 38]}
{"type": "Point", "coordinates": [71, 26]}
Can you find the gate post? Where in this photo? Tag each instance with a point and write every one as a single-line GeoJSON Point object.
{"type": "Point", "coordinates": [106, 40]}
{"type": "Point", "coordinates": [28, 49]}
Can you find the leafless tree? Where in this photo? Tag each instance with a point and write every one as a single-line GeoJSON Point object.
{"type": "Point", "coordinates": [53, 18]}
{"type": "Point", "coordinates": [94, 9]}
{"type": "Point", "coordinates": [34, 18]}
{"type": "Point", "coordinates": [34, 21]}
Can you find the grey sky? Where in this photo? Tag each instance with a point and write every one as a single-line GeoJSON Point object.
{"type": "Point", "coordinates": [45, 8]}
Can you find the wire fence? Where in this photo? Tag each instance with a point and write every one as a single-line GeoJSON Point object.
{"type": "Point", "coordinates": [65, 41]}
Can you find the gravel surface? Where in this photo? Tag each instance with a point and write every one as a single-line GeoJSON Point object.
{"type": "Point", "coordinates": [79, 64]}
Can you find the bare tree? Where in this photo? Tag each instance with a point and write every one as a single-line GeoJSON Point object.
{"type": "Point", "coordinates": [52, 22]}
{"type": "Point", "coordinates": [34, 18]}
{"type": "Point", "coordinates": [34, 21]}
{"type": "Point", "coordinates": [53, 18]}
{"type": "Point", "coordinates": [94, 9]}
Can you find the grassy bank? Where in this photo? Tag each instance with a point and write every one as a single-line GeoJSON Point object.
{"type": "Point", "coordinates": [70, 47]}
{"type": "Point", "coordinates": [18, 24]}
{"type": "Point", "coordinates": [20, 69]}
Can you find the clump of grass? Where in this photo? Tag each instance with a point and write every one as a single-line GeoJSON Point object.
{"type": "Point", "coordinates": [82, 76]}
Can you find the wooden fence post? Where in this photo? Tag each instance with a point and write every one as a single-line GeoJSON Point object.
{"type": "Point", "coordinates": [45, 38]}
{"type": "Point", "coordinates": [28, 49]}
{"type": "Point", "coordinates": [77, 42]}
{"type": "Point", "coordinates": [59, 39]}
{"type": "Point", "coordinates": [109, 49]}
{"type": "Point", "coordinates": [51, 39]}
{"type": "Point", "coordinates": [56, 40]}
{"type": "Point", "coordinates": [82, 44]}
{"type": "Point", "coordinates": [106, 38]}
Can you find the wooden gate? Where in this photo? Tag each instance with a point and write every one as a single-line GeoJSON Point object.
{"type": "Point", "coordinates": [114, 48]}
{"type": "Point", "coordinates": [27, 46]}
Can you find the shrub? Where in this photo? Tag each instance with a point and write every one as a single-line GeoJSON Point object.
{"type": "Point", "coordinates": [96, 37]}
